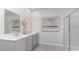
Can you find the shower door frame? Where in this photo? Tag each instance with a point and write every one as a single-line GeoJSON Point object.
{"type": "Point", "coordinates": [64, 33]}
{"type": "Point", "coordinates": [69, 29]}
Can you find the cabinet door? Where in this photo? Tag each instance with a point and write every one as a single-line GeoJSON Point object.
{"type": "Point", "coordinates": [36, 38]}
{"type": "Point", "coordinates": [29, 43]}
{"type": "Point", "coordinates": [33, 41]}
{"type": "Point", "coordinates": [6, 45]}
{"type": "Point", "coordinates": [21, 45]}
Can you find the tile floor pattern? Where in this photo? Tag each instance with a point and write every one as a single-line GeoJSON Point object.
{"type": "Point", "coordinates": [48, 48]}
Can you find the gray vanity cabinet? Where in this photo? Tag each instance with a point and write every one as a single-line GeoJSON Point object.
{"type": "Point", "coordinates": [32, 41]}
{"type": "Point", "coordinates": [35, 39]}
{"type": "Point", "coordinates": [6, 45]}
{"type": "Point", "coordinates": [22, 44]}
{"type": "Point", "coordinates": [29, 41]}
{"type": "Point", "coordinates": [26, 43]}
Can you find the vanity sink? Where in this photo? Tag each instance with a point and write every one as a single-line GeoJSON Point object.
{"type": "Point", "coordinates": [10, 37]}
{"type": "Point", "coordinates": [13, 37]}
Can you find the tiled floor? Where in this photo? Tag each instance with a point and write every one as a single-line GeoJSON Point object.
{"type": "Point", "coordinates": [48, 48]}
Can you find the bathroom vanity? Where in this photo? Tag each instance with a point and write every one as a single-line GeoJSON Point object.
{"type": "Point", "coordinates": [10, 42]}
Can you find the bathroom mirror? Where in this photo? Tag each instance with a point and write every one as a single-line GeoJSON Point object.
{"type": "Point", "coordinates": [12, 22]}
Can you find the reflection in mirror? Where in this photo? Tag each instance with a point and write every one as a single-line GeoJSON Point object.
{"type": "Point", "coordinates": [12, 22]}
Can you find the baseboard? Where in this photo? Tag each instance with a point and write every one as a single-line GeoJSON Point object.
{"type": "Point", "coordinates": [53, 44]}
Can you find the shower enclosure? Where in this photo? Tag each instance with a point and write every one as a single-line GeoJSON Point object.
{"type": "Point", "coordinates": [71, 31]}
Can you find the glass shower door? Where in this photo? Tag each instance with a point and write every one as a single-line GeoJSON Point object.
{"type": "Point", "coordinates": [74, 31]}
{"type": "Point", "coordinates": [66, 34]}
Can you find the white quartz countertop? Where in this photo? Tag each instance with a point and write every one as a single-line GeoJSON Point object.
{"type": "Point", "coordinates": [12, 37]}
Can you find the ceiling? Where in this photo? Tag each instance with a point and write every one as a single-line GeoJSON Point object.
{"type": "Point", "coordinates": [59, 11]}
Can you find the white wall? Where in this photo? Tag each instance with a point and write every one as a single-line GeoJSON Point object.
{"type": "Point", "coordinates": [51, 38]}
{"type": "Point", "coordinates": [1, 20]}
{"type": "Point", "coordinates": [47, 37]}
